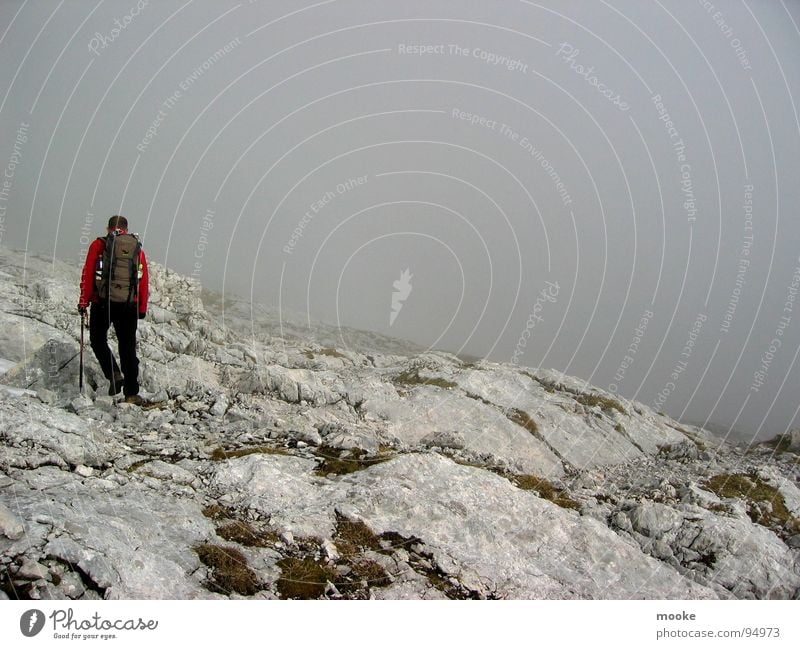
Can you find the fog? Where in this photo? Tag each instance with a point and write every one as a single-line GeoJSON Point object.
{"type": "Point", "coordinates": [608, 188]}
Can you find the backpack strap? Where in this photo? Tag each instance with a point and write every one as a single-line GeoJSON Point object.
{"type": "Point", "coordinates": [112, 261]}
{"type": "Point", "coordinates": [99, 269]}
{"type": "Point", "coordinates": [103, 267]}
{"type": "Point", "coordinates": [133, 269]}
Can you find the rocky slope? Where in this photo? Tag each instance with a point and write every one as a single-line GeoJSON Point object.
{"type": "Point", "coordinates": [298, 467]}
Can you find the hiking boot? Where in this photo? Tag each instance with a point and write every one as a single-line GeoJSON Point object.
{"type": "Point", "coordinates": [135, 399]}
{"type": "Point", "coordinates": [115, 387]}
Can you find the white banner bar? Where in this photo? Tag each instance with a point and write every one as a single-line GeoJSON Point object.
{"type": "Point", "coordinates": [415, 624]}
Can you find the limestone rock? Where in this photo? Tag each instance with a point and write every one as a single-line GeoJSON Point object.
{"type": "Point", "coordinates": [10, 525]}
{"type": "Point", "coordinates": [654, 519]}
{"type": "Point", "coordinates": [476, 479]}
{"type": "Point", "coordinates": [69, 436]}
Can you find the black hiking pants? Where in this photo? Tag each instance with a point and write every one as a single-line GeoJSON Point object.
{"type": "Point", "coordinates": [125, 318]}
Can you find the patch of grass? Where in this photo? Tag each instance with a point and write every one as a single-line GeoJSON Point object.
{"type": "Point", "coordinates": [737, 485]}
{"type": "Point", "coordinates": [367, 571]}
{"type": "Point", "coordinates": [330, 351]}
{"type": "Point", "coordinates": [523, 419]}
{"type": "Point", "coordinates": [755, 491]}
{"type": "Point", "coordinates": [545, 489]}
{"type": "Point", "coordinates": [440, 582]}
{"type": "Point", "coordinates": [605, 403]}
{"type": "Point", "coordinates": [215, 512]}
{"type": "Point", "coordinates": [473, 464]}
{"type": "Point", "coordinates": [305, 574]}
{"type": "Point", "coordinates": [394, 540]}
{"type": "Point", "coordinates": [519, 417]}
{"type": "Point", "coordinates": [327, 351]}
{"type": "Point", "coordinates": [620, 429]}
{"type": "Point", "coordinates": [303, 577]}
{"type": "Point", "coordinates": [335, 461]}
{"type": "Point", "coordinates": [354, 537]}
{"type": "Point", "coordinates": [220, 454]}
{"type": "Point", "coordinates": [243, 533]}
{"type": "Point", "coordinates": [696, 440]}
{"type": "Point", "coordinates": [549, 387]}
{"type": "Point", "coordinates": [477, 397]}
{"type": "Point", "coordinates": [230, 572]}
{"type": "Point", "coordinates": [138, 465]}
{"type": "Point", "coordinates": [528, 482]}
{"type": "Point", "coordinates": [412, 377]}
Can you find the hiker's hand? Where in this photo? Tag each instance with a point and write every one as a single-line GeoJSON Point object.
{"type": "Point", "coordinates": [142, 315]}
{"type": "Point", "coordinates": [82, 310]}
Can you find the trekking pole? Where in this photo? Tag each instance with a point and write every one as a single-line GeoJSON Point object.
{"type": "Point", "coordinates": [80, 379]}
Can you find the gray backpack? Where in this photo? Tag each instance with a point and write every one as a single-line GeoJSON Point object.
{"type": "Point", "coordinates": [117, 275]}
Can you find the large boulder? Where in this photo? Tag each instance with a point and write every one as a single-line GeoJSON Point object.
{"type": "Point", "coordinates": [128, 542]}
{"type": "Point", "coordinates": [30, 427]}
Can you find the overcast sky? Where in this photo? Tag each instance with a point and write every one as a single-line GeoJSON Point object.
{"type": "Point", "coordinates": [606, 188]}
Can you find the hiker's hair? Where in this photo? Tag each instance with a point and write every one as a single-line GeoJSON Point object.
{"type": "Point", "coordinates": [117, 222]}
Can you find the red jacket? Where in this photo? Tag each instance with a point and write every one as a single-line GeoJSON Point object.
{"type": "Point", "coordinates": [89, 290]}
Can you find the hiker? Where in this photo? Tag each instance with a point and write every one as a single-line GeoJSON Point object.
{"type": "Point", "coordinates": [115, 283]}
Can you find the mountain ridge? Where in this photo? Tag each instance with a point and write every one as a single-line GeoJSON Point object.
{"type": "Point", "coordinates": [382, 475]}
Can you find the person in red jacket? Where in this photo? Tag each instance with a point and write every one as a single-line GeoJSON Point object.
{"type": "Point", "coordinates": [115, 283]}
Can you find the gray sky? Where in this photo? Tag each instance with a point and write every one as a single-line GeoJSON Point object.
{"type": "Point", "coordinates": [606, 188]}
